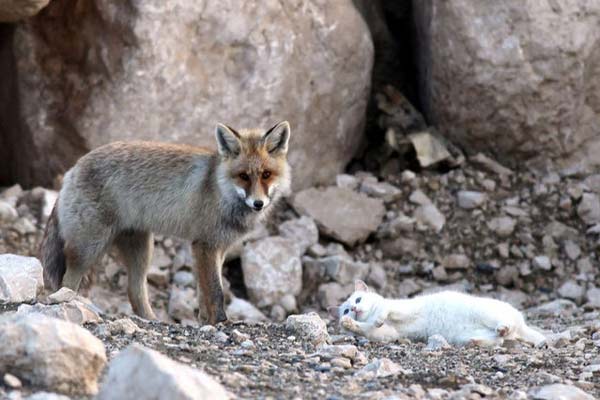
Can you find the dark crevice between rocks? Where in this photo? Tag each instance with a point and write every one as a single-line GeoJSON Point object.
{"type": "Point", "coordinates": [16, 144]}
{"type": "Point", "coordinates": [232, 271]}
{"type": "Point", "coordinates": [394, 34]}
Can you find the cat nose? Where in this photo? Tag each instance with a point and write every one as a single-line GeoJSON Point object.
{"type": "Point", "coordinates": [353, 308]}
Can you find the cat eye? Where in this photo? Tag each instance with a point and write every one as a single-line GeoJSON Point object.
{"type": "Point", "coordinates": [244, 176]}
{"type": "Point", "coordinates": [358, 300]}
{"type": "Point", "coordinates": [266, 174]}
{"type": "Point", "coordinates": [346, 311]}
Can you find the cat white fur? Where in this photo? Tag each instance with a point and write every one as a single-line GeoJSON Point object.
{"type": "Point", "coordinates": [460, 318]}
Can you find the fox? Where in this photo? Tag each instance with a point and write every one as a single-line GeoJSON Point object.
{"type": "Point", "coordinates": [122, 193]}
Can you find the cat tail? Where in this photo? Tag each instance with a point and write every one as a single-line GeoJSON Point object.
{"type": "Point", "coordinates": [531, 335]}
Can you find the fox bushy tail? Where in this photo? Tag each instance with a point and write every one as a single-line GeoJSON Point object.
{"type": "Point", "coordinates": [52, 253]}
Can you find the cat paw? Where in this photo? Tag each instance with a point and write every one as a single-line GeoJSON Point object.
{"type": "Point", "coordinates": [347, 322]}
{"type": "Point", "coordinates": [502, 330]}
{"type": "Point", "coordinates": [379, 322]}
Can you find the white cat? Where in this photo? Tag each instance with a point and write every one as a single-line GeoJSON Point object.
{"type": "Point", "coordinates": [460, 318]}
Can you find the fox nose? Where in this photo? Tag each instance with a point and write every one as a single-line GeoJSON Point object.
{"type": "Point", "coordinates": [258, 204]}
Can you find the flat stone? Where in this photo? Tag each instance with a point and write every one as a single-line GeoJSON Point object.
{"type": "Point", "coordinates": [140, 373]}
{"type": "Point", "coordinates": [437, 343]}
{"type": "Point", "coordinates": [470, 199]}
{"type": "Point", "coordinates": [592, 297]}
{"type": "Point", "coordinates": [342, 214]}
{"type": "Point", "coordinates": [542, 262]}
{"type": "Point", "coordinates": [20, 278]}
{"type": "Point", "coordinates": [75, 311]}
{"type": "Point", "coordinates": [380, 368]}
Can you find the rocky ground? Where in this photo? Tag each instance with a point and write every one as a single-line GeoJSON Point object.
{"type": "Point", "coordinates": [527, 238]}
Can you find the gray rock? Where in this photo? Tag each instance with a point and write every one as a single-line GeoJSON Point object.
{"type": "Point", "coordinates": [592, 296]}
{"type": "Point", "coordinates": [184, 278]}
{"type": "Point", "coordinates": [308, 326]}
{"type": "Point", "coordinates": [146, 92]}
{"type": "Point", "coordinates": [456, 261]}
{"type": "Point", "coordinates": [542, 262]}
{"type": "Point", "coordinates": [302, 231]}
{"type": "Point", "coordinates": [8, 213]}
{"type": "Point", "coordinates": [589, 208]}
{"type": "Point", "coordinates": [51, 354]}
{"type": "Point", "coordinates": [395, 227]}
{"type": "Point", "coordinates": [343, 269]}
{"type": "Point", "coordinates": [559, 391]}
{"type": "Point", "coordinates": [419, 198]}
{"type": "Point", "coordinates": [572, 250]}
{"type": "Point", "coordinates": [332, 294]}
{"type": "Point", "coordinates": [330, 351]}
{"type": "Point", "coordinates": [469, 199]}
{"type": "Point", "coordinates": [346, 181]}
{"type": "Point", "coordinates": [380, 368]}
{"type": "Point", "coordinates": [437, 343]}
{"type": "Point", "coordinates": [62, 295]}
{"type": "Point", "coordinates": [122, 326]}
{"type": "Point", "coordinates": [381, 190]}
{"type": "Point", "coordinates": [572, 291]}
{"type": "Point", "coordinates": [502, 226]}
{"type": "Point", "coordinates": [273, 259]}
{"type": "Point", "coordinates": [182, 303]}
{"type": "Point", "coordinates": [288, 302]}
{"type": "Point", "coordinates": [342, 214]}
{"type": "Point", "coordinates": [430, 216]}
{"type": "Point", "coordinates": [491, 43]}
{"type": "Point", "coordinates": [408, 287]}
{"type": "Point", "coordinates": [20, 278]}
{"type": "Point", "coordinates": [242, 310]}
{"type": "Point", "coordinates": [377, 276]}
{"type": "Point", "coordinates": [507, 275]}
{"type": "Point", "coordinates": [139, 373]}
{"type": "Point", "coordinates": [555, 308]}
{"type": "Point", "coordinates": [15, 10]}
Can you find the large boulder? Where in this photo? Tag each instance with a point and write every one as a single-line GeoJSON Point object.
{"type": "Point", "coordinates": [94, 72]}
{"type": "Point", "coordinates": [517, 78]}
{"type": "Point", "coordinates": [51, 354]}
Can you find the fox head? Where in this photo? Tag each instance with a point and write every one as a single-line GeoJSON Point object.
{"type": "Point", "coordinates": [254, 164]}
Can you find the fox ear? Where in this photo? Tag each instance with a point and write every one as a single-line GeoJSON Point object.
{"type": "Point", "coordinates": [360, 286]}
{"type": "Point", "coordinates": [276, 139]}
{"type": "Point", "coordinates": [228, 141]}
{"type": "Point", "coordinates": [334, 311]}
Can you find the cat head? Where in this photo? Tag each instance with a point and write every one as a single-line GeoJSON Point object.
{"type": "Point", "coordinates": [359, 305]}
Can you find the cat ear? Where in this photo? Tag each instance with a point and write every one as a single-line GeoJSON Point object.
{"type": "Point", "coordinates": [360, 286]}
{"type": "Point", "coordinates": [334, 311]}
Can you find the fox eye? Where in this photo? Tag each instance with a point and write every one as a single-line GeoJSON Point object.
{"type": "Point", "coordinates": [266, 174]}
{"type": "Point", "coordinates": [346, 311]}
{"type": "Point", "coordinates": [244, 176]}
{"type": "Point", "coordinates": [358, 300]}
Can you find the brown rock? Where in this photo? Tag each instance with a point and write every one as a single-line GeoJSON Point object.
{"type": "Point", "coordinates": [15, 10]}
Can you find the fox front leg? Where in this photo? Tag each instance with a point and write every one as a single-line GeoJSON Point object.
{"type": "Point", "coordinates": [209, 262]}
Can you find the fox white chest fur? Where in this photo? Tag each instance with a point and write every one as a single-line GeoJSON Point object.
{"type": "Point", "coordinates": [460, 318]}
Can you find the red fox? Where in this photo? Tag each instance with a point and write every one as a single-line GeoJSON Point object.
{"type": "Point", "coordinates": [123, 192]}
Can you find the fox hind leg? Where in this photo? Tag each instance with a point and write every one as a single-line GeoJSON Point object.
{"type": "Point", "coordinates": [136, 249]}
